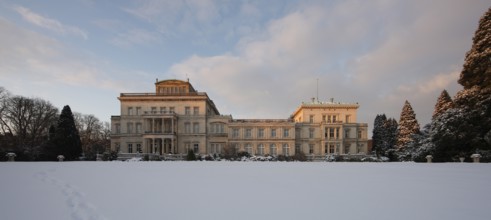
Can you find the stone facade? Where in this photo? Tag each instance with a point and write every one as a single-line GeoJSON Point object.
{"type": "Point", "coordinates": [177, 118]}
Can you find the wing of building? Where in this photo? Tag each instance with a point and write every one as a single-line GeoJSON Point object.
{"type": "Point", "coordinates": [177, 118]}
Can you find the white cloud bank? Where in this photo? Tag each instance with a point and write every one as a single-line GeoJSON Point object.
{"type": "Point", "coordinates": [377, 53]}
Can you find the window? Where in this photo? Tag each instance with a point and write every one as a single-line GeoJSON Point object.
{"type": "Point", "coordinates": [286, 149]}
{"type": "Point", "coordinates": [187, 146]}
{"type": "Point", "coordinates": [196, 111]}
{"type": "Point", "coordinates": [324, 118]}
{"type": "Point", "coordinates": [171, 110]}
{"type": "Point", "coordinates": [337, 133]}
{"type": "Point", "coordinates": [187, 110]}
{"type": "Point", "coordinates": [235, 132]}
{"type": "Point", "coordinates": [236, 147]}
{"type": "Point", "coordinates": [138, 110]}
{"type": "Point", "coordinates": [248, 148]}
{"type": "Point", "coordinates": [163, 110]}
{"type": "Point", "coordinates": [130, 148]}
{"type": "Point", "coordinates": [138, 128]}
{"type": "Point", "coordinates": [130, 110]}
{"type": "Point", "coordinates": [217, 128]}
{"type": "Point", "coordinates": [297, 148]}
{"type": "Point", "coordinates": [328, 119]}
{"type": "Point", "coordinates": [273, 132]}
{"type": "Point", "coordinates": [196, 148]}
{"type": "Point", "coordinates": [260, 149]}
{"type": "Point", "coordinates": [346, 133]}
{"type": "Point", "coordinates": [195, 127]}
{"type": "Point", "coordinates": [138, 148]}
{"type": "Point", "coordinates": [216, 148]}
{"type": "Point", "coordinates": [130, 128]}
{"type": "Point", "coordinates": [260, 132]}
{"type": "Point", "coordinates": [326, 148]}
{"type": "Point", "coordinates": [348, 118]}
{"type": "Point", "coordinates": [117, 147]}
{"type": "Point", "coordinates": [311, 149]}
{"type": "Point", "coordinates": [359, 148]}
{"type": "Point", "coordinates": [272, 149]}
{"type": "Point", "coordinates": [154, 110]}
{"type": "Point", "coordinates": [331, 133]}
{"type": "Point", "coordinates": [248, 133]}
{"type": "Point", "coordinates": [331, 148]}
{"type": "Point", "coordinates": [286, 132]}
{"type": "Point", "coordinates": [359, 133]}
{"type": "Point", "coordinates": [311, 132]}
{"type": "Point", "coordinates": [346, 148]}
{"type": "Point", "coordinates": [334, 118]}
{"type": "Point", "coordinates": [118, 128]}
{"type": "Point", "coordinates": [187, 127]}
{"type": "Point", "coordinates": [311, 119]}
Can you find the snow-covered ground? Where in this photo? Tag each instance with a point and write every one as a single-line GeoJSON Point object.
{"type": "Point", "coordinates": [244, 190]}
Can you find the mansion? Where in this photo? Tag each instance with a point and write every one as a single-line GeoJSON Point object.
{"type": "Point", "coordinates": [177, 118]}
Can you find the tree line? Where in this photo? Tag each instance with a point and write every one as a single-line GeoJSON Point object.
{"type": "Point", "coordinates": [459, 127]}
{"type": "Point", "coordinates": [35, 130]}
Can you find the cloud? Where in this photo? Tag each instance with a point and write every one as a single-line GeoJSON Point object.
{"type": "Point", "coordinates": [173, 17]}
{"type": "Point", "coordinates": [32, 57]}
{"type": "Point", "coordinates": [378, 54]}
{"type": "Point", "coordinates": [49, 23]}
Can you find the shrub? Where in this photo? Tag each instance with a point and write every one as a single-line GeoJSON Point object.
{"type": "Point", "coordinates": [299, 156]}
{"type": "Point", "coordinates": [243, 154]}
{"type": "Point", "coordinates": [110, 156]}
{"type": "Point", "coordinates": [191, 156]}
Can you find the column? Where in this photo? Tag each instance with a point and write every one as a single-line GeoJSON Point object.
{"type": "Point", "coordinates": [152, 145]}
{"type": "Point", "coordinates": [172, 145]}
{"type": "Point", "coordinates": [172, 125]}
{"type": "Point", "coordinates": [147, 144]}
{"type": "Point", "coordinates": [153, 125]}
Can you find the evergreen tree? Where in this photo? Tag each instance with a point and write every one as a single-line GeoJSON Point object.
{"type": "Point", "coordinates": [67, 139]}
{"type": "Point", "coordinates": [420, 147]}
{"type": "Point", "coordinates": [191, 156]}
{"type": "Point", "coordinates": [443, 103]}
{"type": "Point", "coordinates": [408, 126]}
{"type": "Point", "coordinates": [465, 128]}
{"type": "Point", "coordinates": [391, 131]}
{"type": "Point", "coordinates": [477, 65]}
{"type": "Point", "coordinates": [379, 134]}
{"type": "Point", "coordinates": [451, 133]}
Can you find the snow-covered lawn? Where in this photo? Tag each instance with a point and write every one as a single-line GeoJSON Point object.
{"type": "Point", "coordinates": [244, 190]}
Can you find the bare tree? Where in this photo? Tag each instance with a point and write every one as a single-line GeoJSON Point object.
{"type": "Point", "coordinates": [25, 123]}
{"type": "Point", "coordinates": [94, 134]}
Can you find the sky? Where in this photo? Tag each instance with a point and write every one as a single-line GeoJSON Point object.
{"type": "Point", "coordinates": [254, 59]}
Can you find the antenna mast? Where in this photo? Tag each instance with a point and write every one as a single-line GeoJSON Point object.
{"type": "Point", "coordinates": [317, 89]}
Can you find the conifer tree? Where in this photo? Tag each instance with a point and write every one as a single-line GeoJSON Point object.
{"type": "Point", "coordinates": [67, 139]}
{"type": "Point", "coordinates": [391, 127]}
{"type": "Point", "coordinates": [443, 103]}
{"type": "Point", "coordinates": [408, 125]}
{"type": "Point", "coordinates": [477, 65]}
{"type": "Point", "coordinates": [191, 156]}
{"type": "Point", "coordinates": [378, 133]}
{"type": "Point", "coordinates": [462, 129]}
